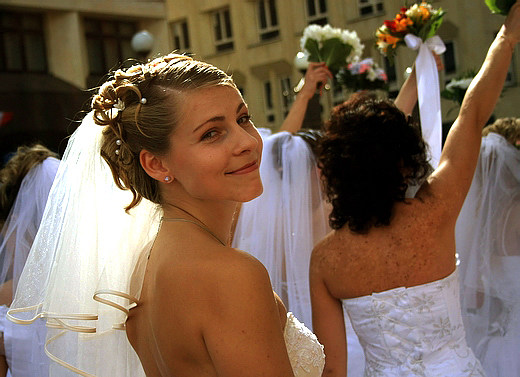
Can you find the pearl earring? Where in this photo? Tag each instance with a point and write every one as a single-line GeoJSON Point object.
{"type": "Point", "coordinates": [167, 179]}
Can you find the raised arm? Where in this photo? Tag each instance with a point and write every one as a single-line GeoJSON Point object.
{"type": "Point", "coordinates": [407, 96]}
{"type": "Point", "coordinates": [317, 73]}
{"type": "Point", "coordinates": [452, 179]}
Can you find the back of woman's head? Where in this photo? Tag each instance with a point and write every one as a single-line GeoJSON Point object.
{"type": "Point", "coordinates": [509, 128]}
{"type": "Point", "coordinates": [139, 108]}
{"type": "Point", "coordinates": [12, 175]}
{"type": "Point", "coordinates": [369, 155]}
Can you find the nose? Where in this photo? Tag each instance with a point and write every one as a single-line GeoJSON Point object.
{"type": "Point", "coordinates": [247, 140]}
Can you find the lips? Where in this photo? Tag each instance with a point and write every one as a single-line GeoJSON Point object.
{"type": "Point", "coordinates": [247, 168]}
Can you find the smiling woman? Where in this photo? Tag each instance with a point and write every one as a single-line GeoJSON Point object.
{"type": "Point", "coordinates": [145, 234]}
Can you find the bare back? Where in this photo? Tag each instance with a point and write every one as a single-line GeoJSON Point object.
{"type": "Point", "coordinates": [181, 319]}
{"type": "Point", "coordinates": [417, 247]}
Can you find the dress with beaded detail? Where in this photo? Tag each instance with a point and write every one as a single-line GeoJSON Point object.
{"type": "Point", "coordinates": [305, 352]}
{"type": "Point", "coordinates": [415, 331]}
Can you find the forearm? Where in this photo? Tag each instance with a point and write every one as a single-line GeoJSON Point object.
{"type": "Point", "coordinates": [407, 97]}
{"type": "Point", "coordinates": [294, 120]}
{"type": "Point", "coordinates": [483, 93]}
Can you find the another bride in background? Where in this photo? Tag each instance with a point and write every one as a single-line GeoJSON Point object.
{"type": "Point", "coordinates": [488, 244]}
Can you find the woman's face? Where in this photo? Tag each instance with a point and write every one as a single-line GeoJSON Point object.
{"type": "Point", "coordinates": [215, 148]}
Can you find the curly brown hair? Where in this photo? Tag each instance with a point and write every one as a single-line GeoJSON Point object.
{"type": "Point", "coordinates": [14, 171]}
{"type": "Point", "coordinates": [371, 152]}
{"type": "Point", "coordinates": [139, 109]}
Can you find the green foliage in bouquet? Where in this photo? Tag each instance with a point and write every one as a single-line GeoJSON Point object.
{"type": "Point", "coordinates": [500, 6]}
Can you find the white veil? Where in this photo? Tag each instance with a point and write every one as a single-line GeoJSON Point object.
{"type": "Point", "coordinates": [24, 346]}
{"type": "Point", "coordinates": [281, 227]}
{"type": "Point", "coordinates": [488, 244]}
{"type": "Point", "coordinates": [86, 246]}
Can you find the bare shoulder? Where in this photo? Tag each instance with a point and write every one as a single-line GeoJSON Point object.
{"type": "Point", "coordinates": [323, 253]}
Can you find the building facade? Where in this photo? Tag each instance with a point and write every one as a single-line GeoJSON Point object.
{"type": "Point", "coordinates": [53, 51]}
{"type": "Point", "coordinates": [257, 41]}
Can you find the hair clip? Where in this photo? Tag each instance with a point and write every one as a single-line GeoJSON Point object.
{"type": "Point", "coordinates": [118, 142]}
{"type": "Point", "coordinates": [143, 101]}
{"type": "Point", "coordinates": [120, 105]}
{"type": "Point", "coordinates": [117, 152]}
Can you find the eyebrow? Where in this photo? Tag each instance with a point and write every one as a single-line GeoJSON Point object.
{"type": "Point", "coordinates": [218, 118]}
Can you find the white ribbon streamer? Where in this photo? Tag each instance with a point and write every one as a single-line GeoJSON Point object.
{"type": "Point", "coordinates": [428, 91]}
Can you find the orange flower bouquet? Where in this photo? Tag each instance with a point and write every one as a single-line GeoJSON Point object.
{"type": "Point", "coordinates": [419, 19]}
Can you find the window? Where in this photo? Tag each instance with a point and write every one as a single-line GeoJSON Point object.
{"type": "Point", "coordinates": [450, 64]}
{"type": "Point", "coordinates": [267, 19]}
{"type": "Point", "coordinates": [269, 104]}
{"type": "Point", "coordinates": [108, 46]}
{"type": "Point", "coordinates": [287, 95]}
{"type": "Point", "coordinates": [317, 12]}
{"type": "Point", "coordinates": [22, 43]}
{"type": "Point", "coordinates": [181, 37]}
{"type": "Point", "coordinates": [222, 30]}
{"type": "Point", "coordinates": [370, 7]}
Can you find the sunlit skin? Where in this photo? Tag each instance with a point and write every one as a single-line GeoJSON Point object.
{"type": "Point", "coordinates": [219, 139]}
{"type": "Point", "coordinates": [207, 309]}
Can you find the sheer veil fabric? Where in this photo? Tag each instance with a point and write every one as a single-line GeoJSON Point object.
{"type": "Point", "coordinates": [281, 227]}
{"type": "Point", "coordinates": [488, 244]}
{"type": "Point", "coordinates": [24, 346]}
{"type": "Point", "coordinates": [86, 265]}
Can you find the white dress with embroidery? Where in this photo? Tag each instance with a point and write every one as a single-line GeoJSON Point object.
{"type": "Point", "coordinates": [305, 352]}
{"type": "Point", "coordinates": [416, 331]}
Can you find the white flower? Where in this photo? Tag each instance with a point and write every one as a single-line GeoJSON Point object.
{"type": "Point", "coordinates": [461, 84]}
{"type": "Point", "coordinates": [120, 105]}
{"type": "Point", "coordinates": [415, 12]}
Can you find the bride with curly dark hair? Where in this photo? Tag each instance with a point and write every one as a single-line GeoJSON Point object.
{"type": "Point", "coordinates": [390, 260]}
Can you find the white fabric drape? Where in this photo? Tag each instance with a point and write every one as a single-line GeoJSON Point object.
{"type": "Point", "coordinates": [488, 244]}
{"type": "Point", "coordinates": [86, 244]}
{"type": "Point", "coordinates": [428, 92]}
{"type": "Point", "coordinates": [281, 227]}
{"type": "Point", "coordinates": [24, 346]}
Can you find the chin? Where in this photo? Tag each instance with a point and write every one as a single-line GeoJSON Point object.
{"type": "Point", "coordinates": [251, 194]}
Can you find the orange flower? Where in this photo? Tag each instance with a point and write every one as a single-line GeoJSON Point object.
{"type": "Point", "coordinates": [402, 24]}
{"type": "Point", "coordinates": [425, 13]}
{"type": "Point", "coordinates": [391, 40]}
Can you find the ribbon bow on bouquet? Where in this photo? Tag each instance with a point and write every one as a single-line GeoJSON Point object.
{"type": "Point", "coordinates": [415, 27]}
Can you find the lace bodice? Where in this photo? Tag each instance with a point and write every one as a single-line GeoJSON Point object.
{"type": "Point", "coordinates": [414, 331]}
{"type": "Point", "coordinates": [305, 352]}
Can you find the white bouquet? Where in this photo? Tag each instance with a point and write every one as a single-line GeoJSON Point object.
{"type": "Point", "coordinates": [336, 47]}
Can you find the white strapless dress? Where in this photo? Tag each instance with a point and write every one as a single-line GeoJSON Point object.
{"type": "Point", "coordinates": [305, 352]}
{"type": "Point", "coordinates": [416, 331]}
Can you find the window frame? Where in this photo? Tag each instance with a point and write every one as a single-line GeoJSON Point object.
{"type": "Point", "coordinates": [180, 34]}
{"type": "Point", "coordinates": [373, 4]}
{"type": "Point", "coordinates": [22, 33]}
{"type": "Point", "coordinates": [224, 43]}
{"type": "Point", "coordinates": [272, 28]}
{"type": "Point", "coordinates": [320, 17]}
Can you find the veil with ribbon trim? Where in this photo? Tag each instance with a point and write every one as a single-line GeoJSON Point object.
{"type": "Point", "coordinates": [86, 265]}
{"type": "Point", "coordinates": [488, 244]}
{"type": "Point", "coordinates": [24, 345]}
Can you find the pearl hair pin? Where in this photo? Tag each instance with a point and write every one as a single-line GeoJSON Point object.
{"type": "Point", "coordinates": [143, 101]}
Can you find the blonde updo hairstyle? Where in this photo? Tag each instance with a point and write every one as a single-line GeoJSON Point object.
{"type": "Point", "coordinates": [509, 128]}
{"type": "Point", "coordinates": [138, 108]}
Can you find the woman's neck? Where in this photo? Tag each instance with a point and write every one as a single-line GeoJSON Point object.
{"type": "Point", "coordinates": [216, 216]}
